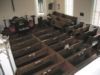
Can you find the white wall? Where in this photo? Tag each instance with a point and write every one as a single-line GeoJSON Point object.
{"type": "Point", "coordinates": [5, 11]}
{"type": "Point", "coordinates": [85, 6]}
{"type": "Point", "coordinates": [22, 7]}
{"type": "Point", "coordinates": [62, 6]}
{"type": "Point", "coordinates": [28, 7]}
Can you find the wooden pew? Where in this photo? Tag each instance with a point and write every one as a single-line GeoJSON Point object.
{"type": "Point", "coordinates": [58, 46]}
{"type": "Point", "coordinates": [23, 44]}
{"type": "Point", "coordinates": [51, 41]}
{"type": "Point", "coordinates": [40, 65]}
{"type": "Point", "coordinates": [81, 56]}
{"type": "Point", "coordinates": [19, 39]}
{"type": "Point", "coordinates": [17, 35]}
{"type": "Point", "coordinates": [32, 57]}
{"type": "Point", "coordinates": [71, 50]}
{"type": "Point", "coordinates": [88, 34]}
{"type": "Point", "coordinates": [56, 39]}
{"type": "Point", "coordinates": [62, 44]}
{"type": "Point", "coordinates": [78, 33]}
{"type": "Point", "coordinates": [71, 29]}
{"type": "Point", "coordinates": [61, 22]}
{"type": "Point", "coordinates": [49, 35]}
{"type": "Point", "coordinates": [27, 50]}
{"type": "Point", "coordinates": [62, 68]}
{"type": "Point", "coordinates": [43, 31]}
{"type": "Point", "coordinates": [74, 19]}
{"type": "Point", "coordinates": [71, 41]}
{"type": "Point", "coordinates": [58, 23]}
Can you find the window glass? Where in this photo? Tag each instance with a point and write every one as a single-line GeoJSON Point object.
{"type": "Point", "coordinates": [40, 6]}
{"type": "Point", "coordinates": [69, 7]}
{"type": "Point", "coordinates": [96, 13]}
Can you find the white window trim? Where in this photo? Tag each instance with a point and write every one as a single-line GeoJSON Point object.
{"type": "Point", "coordinates": [94, 10]}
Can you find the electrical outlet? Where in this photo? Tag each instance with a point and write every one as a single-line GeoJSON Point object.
{"type": "Point", "coordinates": [81, 14]}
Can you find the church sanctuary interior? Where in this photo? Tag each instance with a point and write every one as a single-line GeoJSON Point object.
{"type": "Point", "coordinates": [49, 37]}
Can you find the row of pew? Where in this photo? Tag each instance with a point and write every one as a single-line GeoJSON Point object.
{"type": "Point", "coordinates": [49, 51]}
{"type": "Point", "coordinates": [35, 58]}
